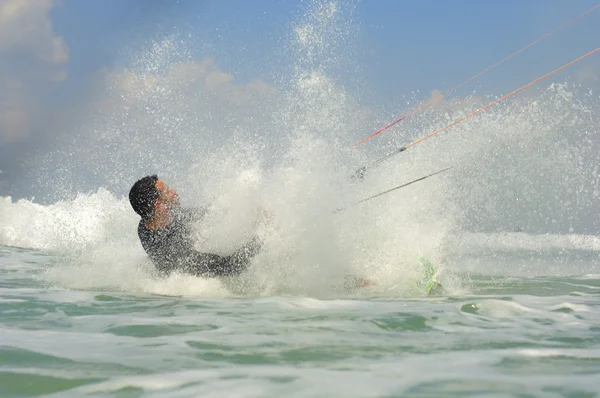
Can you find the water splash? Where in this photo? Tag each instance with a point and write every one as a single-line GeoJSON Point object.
{"type": "Point", "coordinates": [528, 163]}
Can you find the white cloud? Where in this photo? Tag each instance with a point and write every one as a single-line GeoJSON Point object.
{"type": "Point", "coordinates": [31, 55]}
{"type": "Point", "coordinates": [25, 27]}
{"type": "Point", "coordinates": [198, 80]}
{"type": "Point", "coordinates": [14, 121]}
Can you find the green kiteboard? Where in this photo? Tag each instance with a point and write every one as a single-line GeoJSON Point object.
{"type": "Point", "coordinates": [430, 282]}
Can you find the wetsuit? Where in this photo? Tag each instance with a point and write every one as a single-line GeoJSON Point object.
{"type": "Point", "coordinates": [172, 249]}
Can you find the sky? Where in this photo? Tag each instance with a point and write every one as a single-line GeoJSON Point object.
{"type": "Point", "coordinates": [55, 54]}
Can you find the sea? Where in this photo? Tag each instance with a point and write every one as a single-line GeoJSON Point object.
{"type": "Point", "coordinates": [69, 331]}
{"type": "Point", "coordinates": [512, 229]}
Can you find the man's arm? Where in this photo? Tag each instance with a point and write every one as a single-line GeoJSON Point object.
{"type": "Point", "coordinates": [210, 265]}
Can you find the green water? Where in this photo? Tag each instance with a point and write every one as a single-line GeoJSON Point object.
{"type": "Point", "coordinates": [504, 337]}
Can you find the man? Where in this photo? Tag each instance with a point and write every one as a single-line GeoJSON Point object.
{"type": "Point", "coordinates": [165, 234]}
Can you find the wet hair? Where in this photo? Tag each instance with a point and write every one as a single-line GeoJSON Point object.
{"type": "Point", "coordinates": [143, 194]}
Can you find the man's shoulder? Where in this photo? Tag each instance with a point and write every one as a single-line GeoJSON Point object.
{"type": "Point", "coordinates": [142, 230]}
{"type": "Point", "coordinates": [141, 224]}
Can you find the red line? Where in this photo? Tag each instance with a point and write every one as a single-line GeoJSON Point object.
{"type": "Point", "coordinates": [503, 98]}
{"type": "Point", "coordinates": [427, 103]}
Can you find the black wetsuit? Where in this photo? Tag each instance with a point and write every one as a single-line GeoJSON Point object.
{"type": "Point", "coordinates": [172, 249]}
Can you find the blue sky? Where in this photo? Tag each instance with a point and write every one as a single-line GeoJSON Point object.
{"type": "Point", "coordinates": [392, 48]}
{"type": "Point", "coordinates": [400, 46]}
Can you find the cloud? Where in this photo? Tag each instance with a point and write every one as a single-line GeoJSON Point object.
{"type": "Point", "coordinates": [32, 56]}
{"type": "Point", "coordinates": [438, 101]}
{"type": "Point", "coordinates": [26, 28]}
{"type": "Point", "coordinates": [13, 109]}
{"type": "Point", "coordinates": [436, 98]}
{"type": "Point", "coordinates": [198, 78]}
{"type": "Point", "coordinates": [178, 96]}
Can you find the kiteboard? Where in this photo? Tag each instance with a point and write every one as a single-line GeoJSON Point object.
{"type": "Point", "coordinates": [429, 283]}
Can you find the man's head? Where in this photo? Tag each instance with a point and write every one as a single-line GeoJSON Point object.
{"type": "Point", "coordinates": [143, 195]}
{"type": "Point", "coordinates": [149, 193]}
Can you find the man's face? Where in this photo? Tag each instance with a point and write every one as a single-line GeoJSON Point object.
{"type": "Point", "coordinates": [166, 196]}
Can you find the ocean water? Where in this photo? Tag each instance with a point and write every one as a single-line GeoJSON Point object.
{"type": "Point", "coordinates": [513, 230]}
{"type": "Point", "coordinates": [520, 336]}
